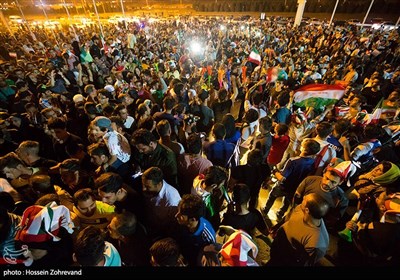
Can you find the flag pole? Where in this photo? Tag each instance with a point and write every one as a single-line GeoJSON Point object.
{"type": "Point", "coordinates": [366, 15]}
{"type": "Point", "coordinates": [69, 18]}
{"type": "Point", "coordinates": [98, 20]}
{"type": "Point", "coordinates": [333, 13]}
{"type": "Point", "coordinates": [47, 19]}
{"type": "Point", "coordinates": [6, 24]}
{"type": "Point", "coordinates": [123, 14]}
{"type": "Point", "coordinates": [23, 16]}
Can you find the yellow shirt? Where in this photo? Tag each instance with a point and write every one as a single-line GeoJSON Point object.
{"type": "Point", "coordinates": [100, 219]}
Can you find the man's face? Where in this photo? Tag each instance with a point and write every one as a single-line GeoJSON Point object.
{"type": "Point", "coordinates": [123, 114]}
{"type": "Point", "coordinates": [97, 160]}
{"type": "Point", "coordinates": [109, 80]}
{"type": "Point", "coordinates": [50, 114]}
{"type": "Point", "coordinates": [102, 99]}
{"type": "Point", "coordinates": [52, 53]}
{"type": "Point", "coordinates": [59, 134]}
{"type": "Point", "coordinates": [380, 201]}
{"type": "Point", "coordinates": [109, 198]}
{"type": "Point", "coordinates": [87, 207]}
{"type": "Point", "coordinates": [181, 218]}
{"type": "Point", "coordinates": [145, 149]}
{"type": "Point", "coordinates": [112, 229]}
{"type": "Point", "coordinates": [12, 173]}
{"type": "Point", "coordinates": [129, 100]}
{"type": "Point", "coordinates": [354, 101]}
{"type": "Point", "coordinates": [20, 74]}
{"type": "Point", "coordinates": [150, 189]}
{"type": "Point", "coordinates": [97, 133]}
{"type": "Point", "coordinates": [377, 171]}
{"type": "Point", "coordinates": [69, 177]}
{"type": "Point", "coordinates": [330, 181]}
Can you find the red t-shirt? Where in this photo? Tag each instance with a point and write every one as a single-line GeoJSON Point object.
{"type": "Point", "coordinates": [278, 147]}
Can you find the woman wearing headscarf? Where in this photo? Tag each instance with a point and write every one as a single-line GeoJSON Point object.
{"type": "Point", "coordinates": [383, 177]}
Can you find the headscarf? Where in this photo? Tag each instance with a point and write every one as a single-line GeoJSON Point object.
{"type": "Point", "coordinates": [389, 176]}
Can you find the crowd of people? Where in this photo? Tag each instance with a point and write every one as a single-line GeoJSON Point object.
{"type": "Point", "coordinates": [142, 143]}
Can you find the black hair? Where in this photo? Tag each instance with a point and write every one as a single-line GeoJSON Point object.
{"type": "Point", "coordinates": [126, 223]}
{"type": "Point", "coordinates": [311, 147]}
{"type": "Point", "coordinates": [241, 194]}
{"type": "Point", "coordinates": [89, 246]}
{"type": "Point", "coordinates": [228, 121]}
{"type": "Point", "coordinates": [72, 164]}
{"type": "Point", "coordinates": [215, 175]}
{"type": "Point", "coordinates": [98, 149]}
{"type": "Point", "coordinates": [163, 127]}
{"type": "Point", "coordinates": [194, 144]}
{"type": "Point", "coordinates": [83, 195]}
{"type": "Point", "coordinates": [41, 184]}
{"type": "Point", "coordinates": [219, 131]}
{"type": "Point", "coordinates": [324, 129]}
{"type": "Point", "coordinates": [109, 182]}
{"type": "Point", "coordinates": [255, 157]}
{"type": "Point", "coordinates": [251, 115]}
{"type": "Point", "coordinates": [165, 252]}
{"type": "Point", "coordinates": [143, 136]}
{"type": "Point", "coordinates": [192, 206]}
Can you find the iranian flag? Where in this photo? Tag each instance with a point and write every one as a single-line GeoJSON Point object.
{"type": "Point", "coordinates": [274, 74]}
{"type": "Point", "coordinates": [255, 57]}
{"type": "Point", "coordinates": [318, 95]}
{"type": "Point", "coordinates": [376, 114]}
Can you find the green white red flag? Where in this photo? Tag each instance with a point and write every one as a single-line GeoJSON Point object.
{"type": "Point", "coordinates": [255, 57]}
{"type": "Point", "coordinates": [318, 95]}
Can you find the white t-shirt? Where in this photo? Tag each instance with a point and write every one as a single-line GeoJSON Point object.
{"type": "Point", "coordinates": [118, 145]}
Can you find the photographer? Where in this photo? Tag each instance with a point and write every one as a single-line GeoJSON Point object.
{"type": "Point", "coordinates": [187, 123]}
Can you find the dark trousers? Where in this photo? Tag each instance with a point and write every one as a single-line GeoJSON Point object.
{"type": "Point", "coordinates": [276, 192]}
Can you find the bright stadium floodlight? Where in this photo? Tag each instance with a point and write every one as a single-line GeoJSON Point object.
{"type": "Point", "coordinates": [195, 47]}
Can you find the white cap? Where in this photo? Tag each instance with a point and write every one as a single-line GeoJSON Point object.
{"type": "Point", "coordinates": [78, 98]}
{"type": "Point", "coordinates": [109, 88]}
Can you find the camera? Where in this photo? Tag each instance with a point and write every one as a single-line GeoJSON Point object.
{"type": "Point", "coordinates": [189, 119]}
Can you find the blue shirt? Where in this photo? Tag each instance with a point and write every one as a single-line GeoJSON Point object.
{"type": "Point", "coordinates": [219, 152]}
{"type": "Point", "coordinates": [283, 115]}
{"type": "Point", "coordinates": [295, 170]}
{"type": "Point", "coordinates": [205, 233]}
